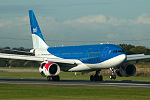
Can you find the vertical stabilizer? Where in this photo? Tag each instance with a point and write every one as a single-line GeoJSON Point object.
{"type": "Point", "coordinates": [37, 38]}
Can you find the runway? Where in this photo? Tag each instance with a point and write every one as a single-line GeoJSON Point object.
{"type": "Point", "coordinates": [105, 83]}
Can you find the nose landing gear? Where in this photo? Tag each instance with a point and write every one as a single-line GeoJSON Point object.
{"type": "Point", "coordinates": [112, 76]}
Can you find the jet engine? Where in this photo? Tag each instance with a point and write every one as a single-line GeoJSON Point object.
{"type": "Point", "coordinates": [49, 69]}
{"type": "Point", "coordinates": [127, 69]}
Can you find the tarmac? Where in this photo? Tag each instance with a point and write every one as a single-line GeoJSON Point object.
{"type": "Point", "coordinates": [104, 83]}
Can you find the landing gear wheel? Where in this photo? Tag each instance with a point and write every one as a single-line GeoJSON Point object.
{"type": "Point", "coordinates": [91, 78]}
{"type": "Point", "coordinates": [101, 78]}
{"type": "Point", "coordinates": [96, 77]}
{"type": "Point", "coordinates": [49, 78]}
{"type": "Point", "coordinates": [112, 76]}
{"type": "Point", "coordinates": [53, 78]}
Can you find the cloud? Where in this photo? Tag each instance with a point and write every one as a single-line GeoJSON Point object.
{"type": "Point", "coordinates": [24, 21]}
{"type": "Point", "coordinates": [102, 19]}
{"type": "Point", "coordinates": [5, 23]}
{"type": "Point", "coordinates": [143, 19]}
{"type": "Point", "coordinates": [91, 19]}
{"type": "Point", "coordinates": [99, 19]}
{"type": "Point", "coordinates": [15, 21]}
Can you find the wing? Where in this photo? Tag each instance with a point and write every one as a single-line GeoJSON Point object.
{"type": "Point", "coordinates": [25, 52]}
{"type": "Point", "coordinates": [137, 57]}
{"type": "Point", "coordinates": [38, 59]}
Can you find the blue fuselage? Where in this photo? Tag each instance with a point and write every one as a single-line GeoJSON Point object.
{"type": "Point", "coordinates": [89, 54]}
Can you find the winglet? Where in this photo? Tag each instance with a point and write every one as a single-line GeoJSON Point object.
{"type": "Point", "coordinates": [37, 38]}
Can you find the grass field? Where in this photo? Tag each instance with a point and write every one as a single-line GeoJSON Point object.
{"type": "Point", "coordinates": [46, 92]}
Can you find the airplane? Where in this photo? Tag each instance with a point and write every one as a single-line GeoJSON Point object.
{"type": "Point", "coordinates": [82, 58]}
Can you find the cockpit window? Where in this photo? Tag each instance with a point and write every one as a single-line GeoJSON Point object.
{"type": "Point", "coordinates": [118, 51]}
{"type": "Point", "coordinates": [115, 51]}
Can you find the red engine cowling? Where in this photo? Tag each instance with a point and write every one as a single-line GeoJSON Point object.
{"type": "Point", "coordinates": [49, 69]}
{"type": "Point", "coordinates": [127, 69]}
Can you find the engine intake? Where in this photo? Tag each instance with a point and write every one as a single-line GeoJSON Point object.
{"type": "Point", "coordinates": [126, 70]}
{"type": "Point", "coordinates": [49, 69]}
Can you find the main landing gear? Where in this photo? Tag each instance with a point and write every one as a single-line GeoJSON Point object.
{"type": "Point", "coordinates": [112, 76]}
{"type": "Point", "coordinates": [53, 78]}
{"type": "Point", "coordinates": [96, 77]}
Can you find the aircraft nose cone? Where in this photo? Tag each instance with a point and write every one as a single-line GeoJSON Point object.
{"type": "Point", "coordinates": [122, 58]}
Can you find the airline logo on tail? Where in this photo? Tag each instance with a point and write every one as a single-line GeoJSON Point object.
{"type": "Point", "coordinates": [35, 30]}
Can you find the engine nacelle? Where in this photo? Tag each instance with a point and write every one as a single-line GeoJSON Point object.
{"type": "Point", "coordinates": [127, 69]}
{"type": "Point", "coordinates": [49, 69]}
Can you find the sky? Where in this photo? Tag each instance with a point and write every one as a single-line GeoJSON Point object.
{"type": "Point", "coordinates": [76, 22]}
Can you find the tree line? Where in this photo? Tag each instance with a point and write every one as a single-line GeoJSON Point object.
{"type": "Point", "coordinates": [131, 49]}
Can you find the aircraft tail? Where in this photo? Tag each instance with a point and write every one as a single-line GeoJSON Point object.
{"type": "Point", "coordinates": [37, 38]}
